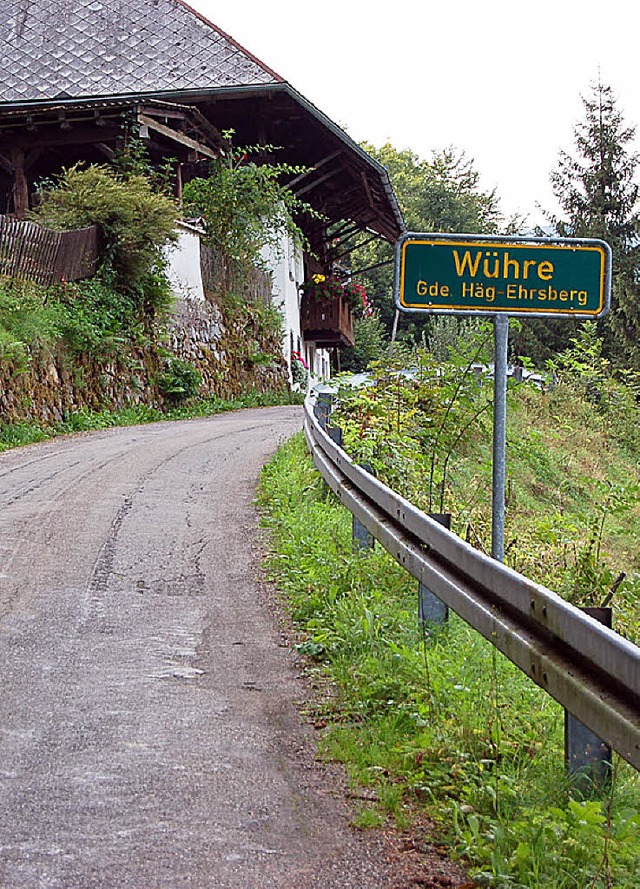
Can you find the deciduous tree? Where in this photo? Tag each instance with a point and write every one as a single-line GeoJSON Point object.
{"type": "Point", "coordinates": [443, 194]}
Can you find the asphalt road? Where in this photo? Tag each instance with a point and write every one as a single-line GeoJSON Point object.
{"type": "Point", "coordinates": [148, 730]}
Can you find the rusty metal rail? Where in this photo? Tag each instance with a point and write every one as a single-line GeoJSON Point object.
{"type": "Point", "coordinates": [589, 669]}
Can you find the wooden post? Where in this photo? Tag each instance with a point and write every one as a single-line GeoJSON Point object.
{"type": "Point", "coordinates": [20, 185]}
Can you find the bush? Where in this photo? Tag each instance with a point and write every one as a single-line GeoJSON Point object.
{"type": "Point", "coordinates": [136, 222]}
{"type": "Point", "coordinates": [369, 344]}
{"type": "Point", "coordinates": [244, 206]}
{"type": "Point", "coordinates": [179, 381]}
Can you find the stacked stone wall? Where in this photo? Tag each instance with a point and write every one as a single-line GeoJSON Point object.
{"type": "Point", "coordinates": [232, 356]}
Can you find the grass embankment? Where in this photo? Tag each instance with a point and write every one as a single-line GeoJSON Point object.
{"type": "Point", "coordinates": [443, 724]}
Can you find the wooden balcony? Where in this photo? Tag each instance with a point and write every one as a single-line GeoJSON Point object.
{"type": "Point", "coordinates": [327, 323]}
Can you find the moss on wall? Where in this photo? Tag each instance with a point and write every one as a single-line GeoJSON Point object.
{"type": "Point", "coordinates": [234, 349]}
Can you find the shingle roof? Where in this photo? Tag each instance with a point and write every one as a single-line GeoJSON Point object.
{"type": "Point", "coordinates": [74, 48]}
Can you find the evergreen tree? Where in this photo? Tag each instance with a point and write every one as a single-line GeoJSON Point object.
{"type": "Point", "coordinates": [599, 198]}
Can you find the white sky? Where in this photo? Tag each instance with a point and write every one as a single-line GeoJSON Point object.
{"type": "Point", "coordinates": [498, 79]}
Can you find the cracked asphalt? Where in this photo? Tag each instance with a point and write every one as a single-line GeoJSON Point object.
{"type": "Point", "coordinates": [148, 730]}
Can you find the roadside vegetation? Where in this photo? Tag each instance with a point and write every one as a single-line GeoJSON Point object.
{"type": "Point", "coordinates": [14, 435]}
{"type": "Point", "coordinates": [434, 722]}
{"type": "Point", "coordinates": [573, 457]}
{"type": "Point", "coordinates": [93, 346]}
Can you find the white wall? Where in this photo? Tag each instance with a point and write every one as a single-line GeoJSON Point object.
{"type": "Point", "coordinates": [183, 263]}
{"type": "Point", "coordinates": [287, 268]}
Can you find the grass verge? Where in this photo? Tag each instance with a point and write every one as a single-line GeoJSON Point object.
{"type": "Point", "coordinates": [438, 723]}
{"type": "Point", "coordinates": [17, 434]}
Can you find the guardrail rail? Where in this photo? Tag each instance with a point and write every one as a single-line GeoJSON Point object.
{"type": "Point", "coordinates": [585, 666]}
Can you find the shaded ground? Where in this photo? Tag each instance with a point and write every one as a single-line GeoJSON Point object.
{"type": "Point", "coordinates": [148, 730]}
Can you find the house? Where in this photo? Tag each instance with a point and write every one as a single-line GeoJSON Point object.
{"type": "Point", "coordinates": [77, 75]}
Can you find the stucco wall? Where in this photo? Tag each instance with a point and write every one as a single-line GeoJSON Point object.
{"type": "Point", "coordinates": [287, 270]}
{"type": "Point", "coordinates": [183, 264]}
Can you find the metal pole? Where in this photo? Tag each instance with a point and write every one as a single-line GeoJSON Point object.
{"type": "Point", "coordinates": [501, 340]}
{"type": "Point", "coordinates": [431, 609]}
{"type": "Point", "coordinates": [394, 332]}
{"type": "Point", "coordinates": [588, 759]}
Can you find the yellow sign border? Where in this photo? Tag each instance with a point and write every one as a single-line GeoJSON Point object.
{"type": "Point", "coordinates": [501, 244]}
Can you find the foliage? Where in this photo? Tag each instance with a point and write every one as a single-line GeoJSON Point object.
{"type": "Point", "coordinates": [133, 160]}
{"type": "Point", "coordinates": [299, 372]}
{"type": "Point", "coordinates": [330, 288]}
{"type": "Point", "coordinates": [440, 195]}
{"type": "Point", "coordinates": [27, 323]}
{"type": "Point", "coordinates": [179, 381]}
{"type": "Point", "coordinates": [599, 198]}
{"type": "Point", "coordinates": [573, 487]}
{"type": "Point", "coordinates": [91, 317]}
{"type": "Point", "coordinates": [368, 333]}
{"type": "Point", "coordinates": [409, 423]}
{"type": "Point", "coordinates": [439, 722]}
{"type": "Point", "coordinates": [244, 204]}
{"type": "Point", "coordinates": [136, 222]}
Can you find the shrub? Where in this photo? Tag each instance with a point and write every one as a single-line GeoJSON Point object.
{"type": "Point", "coordinates": [179, 381]}
{"type": "Point", "coordinates": [136, 222]}
{"type": "Point", "coordinates": [244, 206]}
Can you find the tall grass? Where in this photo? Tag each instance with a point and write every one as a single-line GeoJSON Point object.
{"type": "Point", "coordinates": [435, 722]}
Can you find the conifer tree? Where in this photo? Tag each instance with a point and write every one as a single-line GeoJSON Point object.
{"type": "Point", "coordinates": [599, 197]}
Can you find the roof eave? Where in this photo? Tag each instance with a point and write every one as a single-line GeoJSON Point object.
{"type": "Point", "coordinates": [260, 89]}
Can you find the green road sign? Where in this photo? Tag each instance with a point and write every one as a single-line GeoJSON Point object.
{"type": "Point", "coordinates": [459, 274]}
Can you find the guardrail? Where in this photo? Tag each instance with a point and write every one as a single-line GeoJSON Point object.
{"type": "Point", "coordinates": [588, 668]}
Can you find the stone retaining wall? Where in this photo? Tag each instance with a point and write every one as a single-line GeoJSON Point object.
{"type": "Point", "coordinates": [229, 355]}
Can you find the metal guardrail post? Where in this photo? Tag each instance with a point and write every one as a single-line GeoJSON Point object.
{"type": "Point", "coordinates": [363, 540]}
{"type": "Point", "coordinates": [432, 610]}
{"type": "Point", "coordinates": [322, 409]}
{"type": "Point", "coordinates": [588, 758]}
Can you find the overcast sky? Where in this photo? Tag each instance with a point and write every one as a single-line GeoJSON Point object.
{"type": "Point", "coordinates": [500, 80]}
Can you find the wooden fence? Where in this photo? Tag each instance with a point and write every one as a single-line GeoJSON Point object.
{"type": "Point", "coordinates": [39, 254]}
{"type": "Point", "coordinates": [221, 274]}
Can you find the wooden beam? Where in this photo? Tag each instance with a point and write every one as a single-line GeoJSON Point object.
{"type": "Point", "coordinates": [32, 157]}
{"type": "Point", "coordinates": [367, 188]}
{"type": "Point", "coordinates": [175, 113]}
{"type": "Point", "coordinates": [336, 256]}
{"type": "Point", "coordinates": [311, 170]}
{"type": "Point", "coordinates": [6, 165]}
{"type": "Point", "coordinates": [51, 137]}
{"type": "Point", "coordinates": [105, 149]}
{"type": "Point", "coordinates": [20, 185]}
{"type": "Point", "coordinates": [176, 136]}
{"type": "Point", "coordinates": [318, 181]}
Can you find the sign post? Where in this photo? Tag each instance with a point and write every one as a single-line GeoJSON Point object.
{"type": "Point", "coordinates": [501, 344]}
{"type": "Point", "coordinates": [502, 277]}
